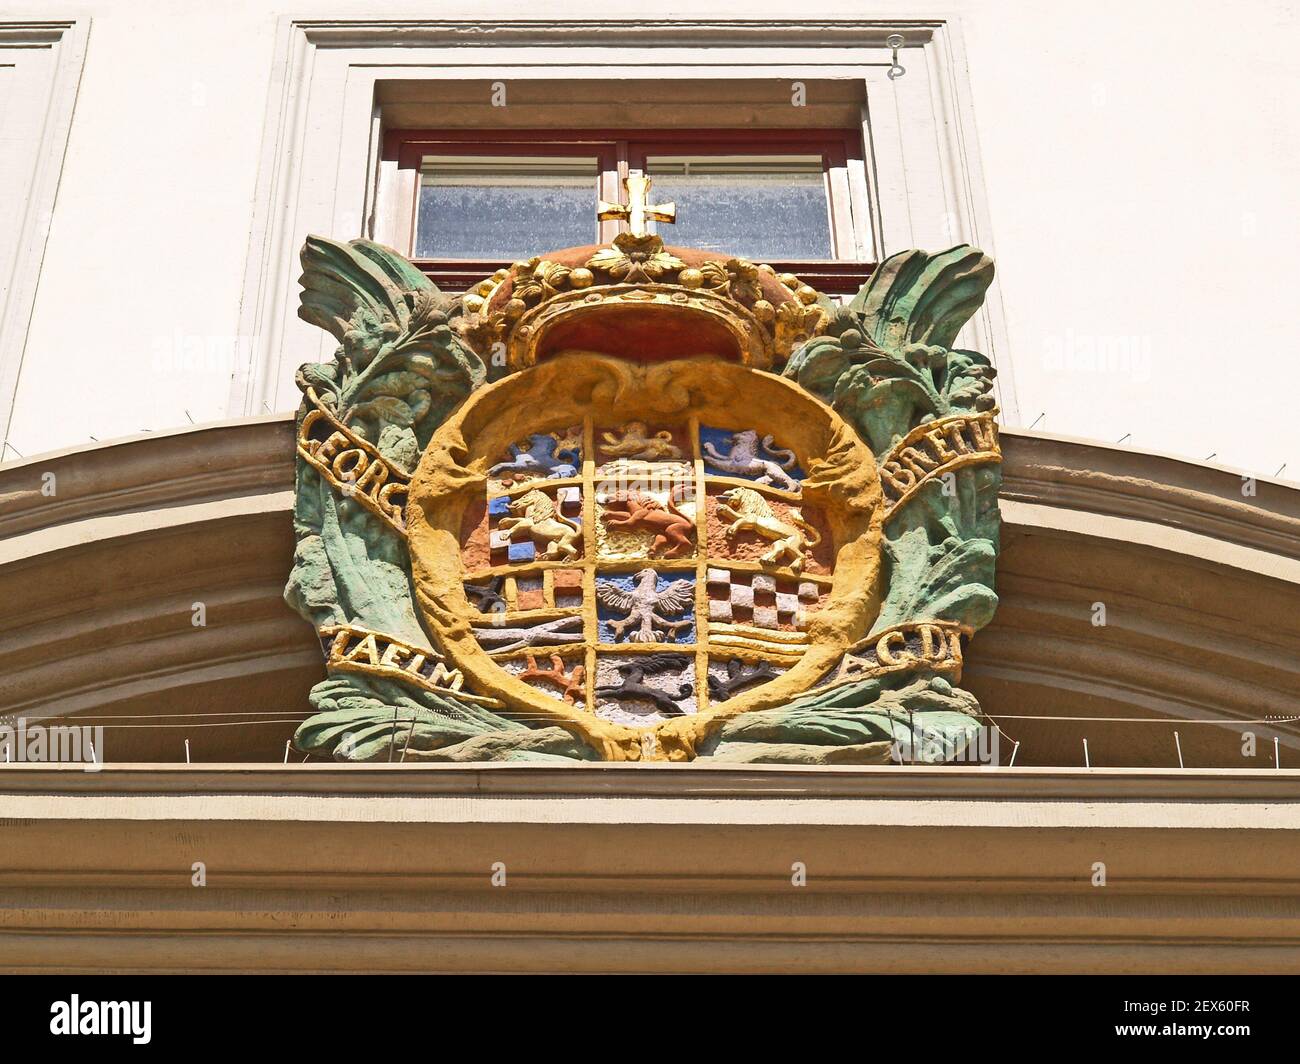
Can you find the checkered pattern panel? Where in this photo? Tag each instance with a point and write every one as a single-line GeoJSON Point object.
{"type": "Point", "coordinates": [759, 599]}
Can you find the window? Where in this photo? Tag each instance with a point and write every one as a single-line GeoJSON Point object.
{"type": "Point", "coordinates": [506, 206]}
{"type": "Point", "coordinates": [782, 197]}
{"type": "Point", "coordinates": [759, 207]}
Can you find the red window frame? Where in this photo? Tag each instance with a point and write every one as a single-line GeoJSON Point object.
{"type": "Point", "coordinates": [618, 152]}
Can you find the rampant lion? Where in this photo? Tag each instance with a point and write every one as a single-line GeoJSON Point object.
{"type": "Point", "coordinates": [744, 459]}
{"type": "Point", "coordinates": [671, 527]}
{"type": "Point", "coordinates": [636, 442]}
{"type": "Point", "coordinates": [535, 514]}
{"type": "Point", "coordinates": [791, 538]}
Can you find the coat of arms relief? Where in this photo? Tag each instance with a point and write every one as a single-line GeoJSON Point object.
{"type": "Point", "coordinates": [639, 502]}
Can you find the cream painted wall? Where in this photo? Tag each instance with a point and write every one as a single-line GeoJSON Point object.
{"type": "Point", "coordinates": [1141, 163]}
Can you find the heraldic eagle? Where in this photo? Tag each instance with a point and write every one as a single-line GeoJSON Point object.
{"type": "Point", "coordinates": [645, 604]}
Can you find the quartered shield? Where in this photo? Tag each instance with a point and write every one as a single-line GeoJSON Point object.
{"type": "Point", "coordinates": [635, 551]}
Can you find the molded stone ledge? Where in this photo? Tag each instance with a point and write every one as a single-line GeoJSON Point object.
{"type": "Point", "coordinates": [647, 868]}
{"type": "Point", "coordinates": [1162, 489]}
{"type": "Point", "coordinates": [222, 460]}
{"type": "Point", "coordinates": [664, 779]}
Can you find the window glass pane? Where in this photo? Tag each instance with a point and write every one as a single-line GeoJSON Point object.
{"type": "Point", "coordinates": [759, 207]}
{"type": "Point", "coordinates": [504, 207]}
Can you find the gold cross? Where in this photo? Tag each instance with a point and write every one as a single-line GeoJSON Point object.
{"type": "Point", "coordinates": [638, 208]}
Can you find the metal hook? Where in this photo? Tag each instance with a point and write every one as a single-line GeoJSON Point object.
{"type": "Point", "coordinates": [895, 42]}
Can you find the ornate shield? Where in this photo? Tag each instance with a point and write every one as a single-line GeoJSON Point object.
{"type": "Point", "coordinates": [648, 548]}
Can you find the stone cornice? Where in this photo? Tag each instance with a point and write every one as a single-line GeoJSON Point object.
{"type": "Point", "coordinates": [701, 783]}
{"type": "Point", "coordinates": [35, 33]}
{"type": "Point", "coordinates": [650, 868]}
{"type": "Point", "coordinates": [208, 463]}
{"type": "Point", "coordinates": [831, 33]}
{"type": "Point", "coordinates": [1162, 489]}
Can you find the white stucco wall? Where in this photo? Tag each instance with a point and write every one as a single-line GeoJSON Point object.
{"type": "Point", "coordinates": [1141, 164]}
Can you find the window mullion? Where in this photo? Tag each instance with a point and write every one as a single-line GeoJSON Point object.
{"type": "Point", "coordinates": [844, 244]}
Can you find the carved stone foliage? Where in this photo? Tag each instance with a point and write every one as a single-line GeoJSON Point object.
{"type": "Point", "coordinates": [604, 554]}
